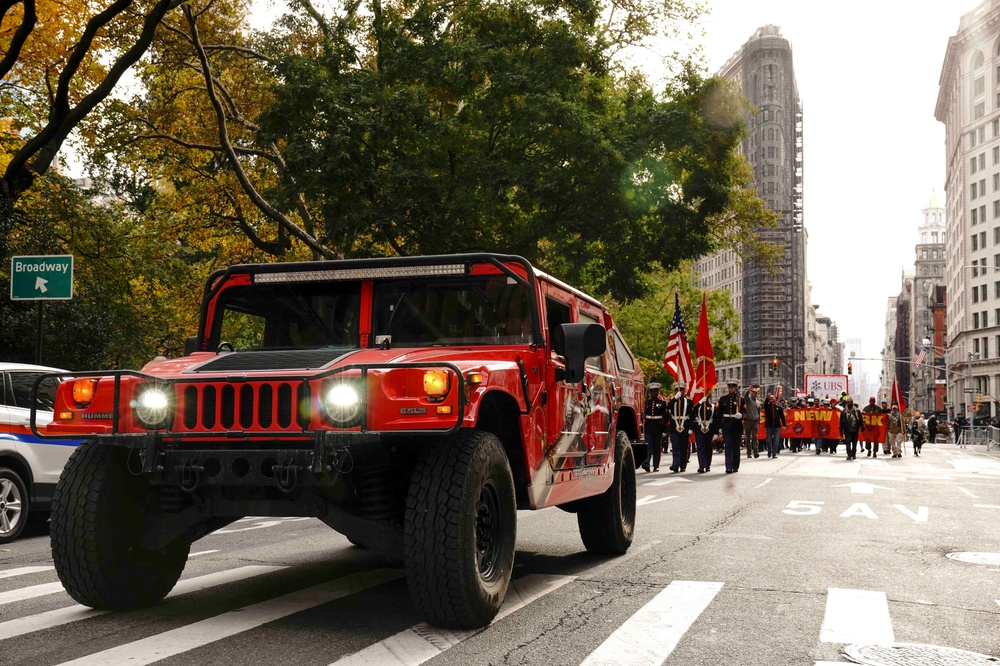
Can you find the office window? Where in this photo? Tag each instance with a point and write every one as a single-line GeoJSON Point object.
{"type": "Point", "coordinates": [985, 319]}
{"type": "Point", "coordinates": [979, 86]}
{"type": "Point", "coordinates": [974, 217]}
{"type": "Point", "coordinates": [985, 296]}
{"type": "Point", "coordinates": [998, 345]}
{"type": "Point", "coordinates": [972, 136]}
{"type": "Point", "coordinates": [996, 182]}
{"type": "Point", "coordinates": [975, 321]}
{"type": "Point", "coordinates": [975, 345]}
{"type": "Point", "coordinates": [982, 186]}
{"type": "Point", "coordinates": [996, 125]}
{"type": "Point", "coordinates": [972, 191]}
{"type": "Point", "coordinates": [982, 242]}
{"type": "Point", "coordinates": [986, 354]}
{"type": "Point", "coordinates": [972, 164]}
{"type": "Point", "coordinates": [996, 315]}
{"type": "Point", "coordinates": [975, 246]}
{"type": "Point", "coordinates": [996, 209]}
{"type": "Point", "coordinates": [982, 161]}
{"type": "Point", "coordinates": [996, 241]}
{"type": "Point", "coordinates": [982, 215]}
{"type": "Point", "coordinates": [981, 134]}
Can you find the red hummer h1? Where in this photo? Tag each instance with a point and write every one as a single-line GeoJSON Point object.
{"type": "Point", "coordinates": [412, 404]}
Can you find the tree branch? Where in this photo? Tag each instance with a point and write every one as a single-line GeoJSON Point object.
{"type": "Point", "coordinates": [20, 35]}
{"type": "Point", "coordinates": [248, 188]}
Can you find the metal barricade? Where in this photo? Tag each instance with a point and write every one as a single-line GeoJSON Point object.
{"type": "Point", "coordinates": [993, 440]}
{"type": "Point", "coordinates": [972, 435]}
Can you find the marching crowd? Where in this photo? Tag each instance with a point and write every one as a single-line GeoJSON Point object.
{"type": "Point", "coordinates": [732, 426]}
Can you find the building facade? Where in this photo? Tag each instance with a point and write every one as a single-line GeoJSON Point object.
{"type": "Point", "coordinates": [772, 306]}
{"type": "Point", "coordinates": [968, 104]}
{"type": "Point", "coordinates": [928, 275]}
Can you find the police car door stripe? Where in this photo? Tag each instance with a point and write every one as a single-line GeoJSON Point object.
{"type": "Point", "coordinates": [422, 642]}
{"type": "Point", "coordinates": [216, 628]}
{"type": "Point", "coordinates": [55, 618]}
{"type": "Point", "coordinates": [649, 636]}
{"type": "Point", "coordinates": [10, 573]}
{"type": "Point", "coordinates": [856, 616]}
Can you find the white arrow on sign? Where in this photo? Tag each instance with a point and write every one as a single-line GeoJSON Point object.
{"type": "Point", "coordinates": [40, 284]}
{"type": "Point", "coordinates": [862, 488]}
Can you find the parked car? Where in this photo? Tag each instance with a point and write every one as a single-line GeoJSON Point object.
{"type": "Point", "coordinates": [29, 467]}
{"type": "Point", "coordinates": [412, 404]}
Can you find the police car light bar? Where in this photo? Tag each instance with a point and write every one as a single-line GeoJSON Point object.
{"type": "Point", "coordinates": [360, 273]}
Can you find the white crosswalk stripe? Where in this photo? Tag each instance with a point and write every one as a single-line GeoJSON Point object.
{"type": "Point", "coordinates": [23, 571]}
{"type": "Point", "coordinates": [195, 635]}
{"type": "Point", "coordinates": [60, 616]}
{"type": "Point", "coordinates": [422, 641]}
{"type": "Point", "coordinates": [856, 616]}
{"type": "Point", "coordinates": [29, 592]}
{"type": "Point", "coordinates": [649, 636]}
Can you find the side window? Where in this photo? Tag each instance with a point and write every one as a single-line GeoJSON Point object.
{"type": "Point", "coordinates": [594, 362]}
{"type": "Point", "coordinates": [622, 356]}
{"type": "Point", "coordinates": [3, 389]}
{"type": "Point", "coordinates": [21, 382]}
{"type": "Point", "coordinates": [556, 313]}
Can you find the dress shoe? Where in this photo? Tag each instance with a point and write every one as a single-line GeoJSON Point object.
{"type": "Point", "coordinates": [684, 469]}
{"type": "Point", "coordinates": [756, 455]}
{"type": "Point", "coordinates": [656, 469]}
{"type": "Point", "coordinates": [645, 466]}
{"type": "Point", "coordinates": [729, 471]}
{"type": "Point", "coordinates": [701, 470]}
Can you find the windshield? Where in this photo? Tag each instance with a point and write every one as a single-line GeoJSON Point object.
{"type": "Point", "coordinates": [405, 313]}
{"type": "Point", "coordinates": [292, 315]}
{"type": "Point", "coordinates": [457, 311]}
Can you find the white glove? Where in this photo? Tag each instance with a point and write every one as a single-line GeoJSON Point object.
{"type": "Point", "coordinates": [737, 415]}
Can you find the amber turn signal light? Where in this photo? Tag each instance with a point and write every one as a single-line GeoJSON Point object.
{"type": "Point", "coordinates": [83, 391]}
{"type": "Point", "coordinates": [436, 383]}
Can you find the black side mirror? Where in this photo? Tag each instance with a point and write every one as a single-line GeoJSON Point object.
{"type": "Point", "coordinates": [191, 345]}
{"type": "Point", "coordinates": [580, 342]}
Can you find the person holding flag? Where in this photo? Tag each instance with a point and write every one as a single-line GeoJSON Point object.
{"type": "Point", "coordinates": [896, 428]}
{"type": "Point", "coordinates": [681, 410]}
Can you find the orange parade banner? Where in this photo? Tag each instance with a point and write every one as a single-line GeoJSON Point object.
{"type": "Point", "coordinates": [874, 429]}
{"type": "Point", "coordinates": [822, 422]}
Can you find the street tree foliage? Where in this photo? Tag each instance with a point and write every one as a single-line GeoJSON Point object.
{"type": "Point", "coordinates": [58, 62]}
{"type": "Point", "coordinates": [419, 127]}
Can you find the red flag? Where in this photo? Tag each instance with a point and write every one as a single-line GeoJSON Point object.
{"type": "Point", "coordinates": [897, 396]}
{"type": "Point", "coordinates": [678, 357]}
{"type": "Point", "coordinates": [704, 376]}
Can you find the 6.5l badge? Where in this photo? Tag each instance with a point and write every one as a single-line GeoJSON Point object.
{"type": "Point", "coordinates": [413, 410]}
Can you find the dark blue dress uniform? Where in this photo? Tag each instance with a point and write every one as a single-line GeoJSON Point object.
{"type": "Point", "coordinates": [705, 427]}
{"type": "Point", "coordinates": [680, 408]}
{"type": "Point", "coordinates": [731, 409]}
{"type": "Point", "coordinates": [655, 413]}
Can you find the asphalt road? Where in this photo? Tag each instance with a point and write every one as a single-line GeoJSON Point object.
{"type": "Point", "coordinates": [790, 561]}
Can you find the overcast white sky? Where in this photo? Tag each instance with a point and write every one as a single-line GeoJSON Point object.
{"type": "Point", "coordinates": [867, 73]}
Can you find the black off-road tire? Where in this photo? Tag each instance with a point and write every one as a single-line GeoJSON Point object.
{"type": "Point", "coordinates": [607, 522]}
{"type": "Point", "coordinates": [460, 530]}
{"type": "Point", "coordinates": [99, 512]}
{"type": "Point", "coordinates": [14, 505]}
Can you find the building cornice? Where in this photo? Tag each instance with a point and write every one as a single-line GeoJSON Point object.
{"type": "Point", "coordinates": [970, 27]}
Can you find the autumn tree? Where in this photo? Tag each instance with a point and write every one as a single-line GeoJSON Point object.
{"type": "Point", "coordinates": [430, 127]}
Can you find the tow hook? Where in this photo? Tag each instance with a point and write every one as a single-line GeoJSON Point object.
{"type": "Point", "coordinates": [190, 476]}
{"type": "Point", "coordinates": [286, 476]}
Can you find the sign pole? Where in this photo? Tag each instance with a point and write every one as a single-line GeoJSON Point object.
{"type": "Point", "coordinates": [38, 336]}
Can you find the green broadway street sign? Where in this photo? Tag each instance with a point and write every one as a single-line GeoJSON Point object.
{"type": "Point", "coordinates": [41, 278]}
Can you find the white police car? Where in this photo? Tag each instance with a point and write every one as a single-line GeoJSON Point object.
{"type": "Point", "coordinates": [29, 467]}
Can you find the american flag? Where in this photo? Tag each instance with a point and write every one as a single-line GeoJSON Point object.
{"type": "Point", "coordinates": [920, 356]}
{"type": "Point", "coordinates": [678, 357]}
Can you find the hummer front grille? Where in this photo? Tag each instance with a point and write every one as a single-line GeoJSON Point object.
{"type": "Point", "coordinates": [249, 406]}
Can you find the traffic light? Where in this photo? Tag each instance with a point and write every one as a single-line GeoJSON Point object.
{"type": "Point", "coordinates": [850, 368]}
{"type": "Point", "coordinates": [774, 364]}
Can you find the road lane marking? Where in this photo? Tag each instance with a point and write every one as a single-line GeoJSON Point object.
{"type": "Point", "coordinates": [203, 552]}
{"type": "Point", "coordinates": [664, 482]}
{"type": "Point", "coordinates": [422, 641]}
{"type": "Point", "coordinates": [766, 481]}
{"type": "Point", "coordinates": [653, 499]}
{"type": "Point", "coordinates": [652, 633]}
{"type": "Point", "coordinates": [192, 636]}
{"type": "Point", "coordinates": [862, 488]}
{"type": "Point", "coordinates": [30, 592]}
{"type": "Point", "coordinates": [60, 616]}
{"type": "Point", "coordinates": [23, 571]}
{"type": "Point", "coordinates": [969, 493]}
{"type": "Point", "coordinates": [986, 506]}
{"type": "Point", "coordinates": [856, 616]}
{"type": "Point", "coordinates": [920, 516]}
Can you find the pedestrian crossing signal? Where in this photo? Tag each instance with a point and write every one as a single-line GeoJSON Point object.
{"type": "Point", "coordinates": [850, 368]}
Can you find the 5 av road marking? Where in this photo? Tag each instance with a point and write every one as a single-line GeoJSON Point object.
{"type": "Point", "coordinates": [813, 507]}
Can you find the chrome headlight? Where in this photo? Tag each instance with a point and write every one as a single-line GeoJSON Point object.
{"type": "Point", "coordinates": [342, 403]}
{"type": "Point", "coordinates": [152, 407]}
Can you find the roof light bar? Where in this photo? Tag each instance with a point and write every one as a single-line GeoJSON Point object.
{"type": "Point", "coordinates": [360, 273]}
